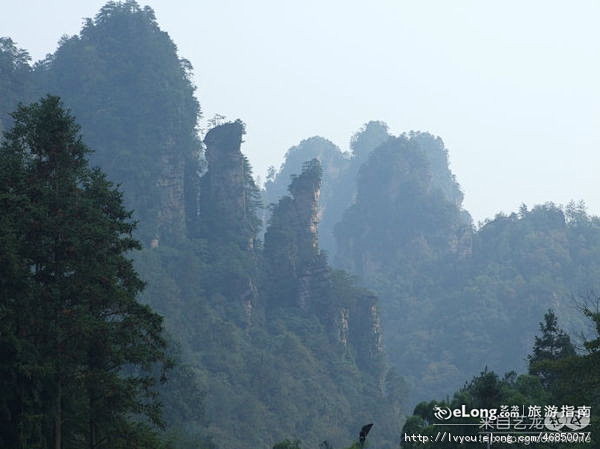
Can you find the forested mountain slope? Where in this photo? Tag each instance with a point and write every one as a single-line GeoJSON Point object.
{"type": "Point", "coordinates": [283, 345]}
{"type": "Point", "coordinates": [455, 298]}
{"type": "Point", "coordinates": [339, 174]}
{"type": "Point", "coordinates": [272, 343]}
{"type": "Point", "coordinates": [133, 96]}
{"type": "Point", "coordinates": [559, 372]}
{"type": "Point", "coordinates": [15, 80]}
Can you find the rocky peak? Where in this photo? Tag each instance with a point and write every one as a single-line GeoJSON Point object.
{"type": "Point", "coordinates": [291, 239]}
{"type": "Point", "coordinates": [305, 190]}
{"type": "Point", "coordinates": [229, 198]}
{"type": "Point", "coordinates": [407, 210]}
{"type": "Point", "coordinates": [302, 278]}
{"type": "Point", "coordinates": [224, 139]}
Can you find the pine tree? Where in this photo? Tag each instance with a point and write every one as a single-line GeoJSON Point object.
{"type": "Point", "coordinates": [553, 344]}
{"type": "Point", "coordinates": [15, 79]}
{"type": "Point", "coordinates": [84, 352]}
{"type": "Point", "coordinates": [133, 97]}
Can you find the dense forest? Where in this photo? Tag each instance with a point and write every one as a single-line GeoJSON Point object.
{"type": "Point", "coordinates": [454, 297]}
{"type": "Point", "coordinates": [154, 295]}
{"type": "Point", "coordinates": [557, 374]}
{"type": "Point", "coordinates": [268, 341]}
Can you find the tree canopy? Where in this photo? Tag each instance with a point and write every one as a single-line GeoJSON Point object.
{"type": "Point", "coordinates": [80, 352]}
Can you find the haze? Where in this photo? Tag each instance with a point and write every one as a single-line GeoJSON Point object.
{"type": "Point", "coordinates": [512, 87]}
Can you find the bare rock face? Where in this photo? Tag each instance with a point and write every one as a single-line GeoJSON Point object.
{"type": "Point", "coordinates": [370, 333]}
{"type": "Point", "coordinates": [225, 174]}
{"type": "Point", "coordinates": [357, 324]}
{"type": "Point", "coordinates": [306, 190]}
{"type": "Point", "coordinates": [334, 163]}
{"type": "Point", "coordinates": [171, 207]}
{"type": "Point", "coordinates": [343, 326]}
{"type": "Point", "coordinates": [226, 213]}
{"type": "Point", "coordinates": [305, 280]}
{"type": "Point", "coordinates": [291, 242]}
{"type": "Point", "coordinates": [229, 196]}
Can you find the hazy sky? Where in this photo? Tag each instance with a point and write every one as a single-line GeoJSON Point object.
{"type": "Point", "coordinates": [513, 87]}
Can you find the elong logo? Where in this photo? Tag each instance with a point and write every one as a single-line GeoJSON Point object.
{"type": "Point", "coordinates": [445, 413]}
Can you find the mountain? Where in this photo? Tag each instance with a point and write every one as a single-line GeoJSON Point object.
{"type": "Point", "coordinates": [133, 96]}
{"type": "Point", "coordinates": [15, 80]}
{"type": "Point", "coordinates": [271, 342]}
{"type": "Point", "coordinates": [455, 298]}
{"type": "Point", "coordinates": [339, 174]}
{"type": "Point", "coordinates": [270, 330]}
{"type": "Point", "coordinates": [404, 211]}
{"type": "Point", "coordinates": [365, 274]}
{"type": "Point", "coordinates": [334, 163]}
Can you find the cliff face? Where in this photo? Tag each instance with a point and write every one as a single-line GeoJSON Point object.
{"type": "Point", "coordinates": [297, 273]}
{"type": "Point", "coordinates": [403, 232]}
{"type": "Point", "coordinates": [291, 243]}
{"type": "Point", "coordinates": [334, 163]}
{"type": "Point", "coordinates": [170, 183]}
{"type": "Point", "coordinates": [338, 189]}
{"type": "Point", "coordinates": [408, 210]}
{"type": "Point", "coordinates": [304, 279]}
{"type": "Point", "coordinates": [367, 331]}
{"type": "Point", "coordinates": [229, 199]}
{"type": "Point", "coordinates": [289, 325]}
{"type": "Point", "coordinates": [122, 78]}
{"type": "Point", "coordinates": [227, 216]}
{"type": "Point", "coordinates": [261, 355]}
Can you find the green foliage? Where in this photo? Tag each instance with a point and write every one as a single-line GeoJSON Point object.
{"type": "Point", "coordinates": [267, 372]}
{"type": "Point", "coordinates": [290, 241]}
{"type": "Point", "coordinates": [396, 186]}
{"type": "Point", "coordinates": [270, 373]}
{"type": "Point", "coordinates": [339, 174]}
{"type": "Point", "coordinates": [133, 96]}
{"type": "Point", "coordinates": [453, 298]}
{"type": "Point", "coordinates": [334, 164]}
{"type": "Point", "coordinates": [485, 391]}
{"type": "Point", "coordinates": [229, 200]}
{"type": "Point", "coordinates": [575, 378]}
{"type": "Point", "coordinates": [82, 353]}
{"type": "Point", "coordinates": [326, 152]}
{"type": "Point", "coordinates": [15, 80]}
{"type": "Point", "coordinates": [296, 444]}
{"type": "Point", "coordinates": [554, 344]}
{"type": "Point", "coordinates": [308, 180]}
{"type": "Point", "coordinates": [287, 444]}
{"type": "Point", "coordinates": [560, 376]}
{"type": "Point", "coordinates": [369, 137]}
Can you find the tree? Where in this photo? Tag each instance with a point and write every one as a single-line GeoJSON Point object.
{"type": "Point", "coordinates": [553, 344]}
{"type": "Point", "coordinates": [288, 444]}
{"type": "Point", "coordinates": [15, 79]}
{"type": "Point", "coordinates": [575, 379]}
{"type": "Point", "coordinates": [486, 391]}
{"type": "Point", "coordinates": [133, 97]}
{"type": "Point", "coordinates": [83, 350]}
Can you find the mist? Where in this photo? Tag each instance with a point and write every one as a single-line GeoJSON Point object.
{"type": "Point", "coordinates": [511, 87]}
{"type": "Point", "coordinates": [290, 225]}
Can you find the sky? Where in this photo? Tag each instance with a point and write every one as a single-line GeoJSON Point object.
{"type": "Point", "coordinates": [511, 86]}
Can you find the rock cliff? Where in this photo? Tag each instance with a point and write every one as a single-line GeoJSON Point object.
{"type": "Point", "coordinates": [303, 277]}
{"type": "Point", "coordinates": [229, 198]}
